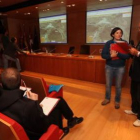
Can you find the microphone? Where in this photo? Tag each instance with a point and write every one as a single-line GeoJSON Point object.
{"type": "Point", "coordinates": [51, 51]}
{"type": "Point", "coordinates": [132, 43]}
{"type": "Point", "coordinates": [69, 53]}
{"type": "Point", "coordinates": [91, 55]}
{"type": "Point", "coordinates": [46, 50]}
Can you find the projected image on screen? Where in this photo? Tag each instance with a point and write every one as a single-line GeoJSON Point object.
{"type": "Point", "coordinates": [101, 22]}
{"type": "Point", "coordinates": [53, 29]}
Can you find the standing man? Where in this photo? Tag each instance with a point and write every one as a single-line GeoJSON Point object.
{"type": "Point", "coordinates": [10, 53]}
{"type": "Point", "coordinates": [5, 39]}
{"type": "Point", "coordinates": [135, 83]}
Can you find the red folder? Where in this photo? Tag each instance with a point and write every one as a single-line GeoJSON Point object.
{"type": "Point", "coordinates": [121, 47]}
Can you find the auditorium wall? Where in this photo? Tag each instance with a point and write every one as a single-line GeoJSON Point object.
{"type": "Point", "coordinates": [76, 30]}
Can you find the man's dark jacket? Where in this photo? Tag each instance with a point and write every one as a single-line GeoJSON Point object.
{"type": "Point", "coordinates": [135, 67]}
{"type": "Point", "coordinates": [26, 112]}
{"type": "Point", "coordinates": [12, 50]}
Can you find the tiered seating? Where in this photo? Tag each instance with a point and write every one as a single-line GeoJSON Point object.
{"type": "Point", "coordinates": [11, 130]}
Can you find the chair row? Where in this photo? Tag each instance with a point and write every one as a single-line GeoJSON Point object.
{"type": "Point", "coordinates": [10, 129]}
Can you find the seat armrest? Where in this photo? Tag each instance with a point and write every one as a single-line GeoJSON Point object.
{"type": "Point", "coordinates": [54, 93]}
{"type": "Point", "coordinates": [53, 133]}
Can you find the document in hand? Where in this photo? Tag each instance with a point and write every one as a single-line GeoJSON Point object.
{"type": "Point", "coordinates": [124, 46]}
{"type": "Point", "coordinates": [24, 89]}
{"type": "Point", "coordinates": [121, 47]}
{"type": "Point", "coordinates": [48, 104]}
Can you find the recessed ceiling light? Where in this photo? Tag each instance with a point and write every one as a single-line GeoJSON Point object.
{"type": "Point", "coordinates": [100, 0]}
{"type": "Point", "coordinates": [48, 9]}
{"type": "Point", "coordinates": [68, 5]}
{"type": "Point", "coordinates": [36, 7]}
{"type": "Point", "coordinates": [27, 13]}
{"type": "Point", "coordinates": [17, 12]}
{"type": "Point", "coordinates": [73, 5]}
{"type": "Point", "coordinates": [62, 1]}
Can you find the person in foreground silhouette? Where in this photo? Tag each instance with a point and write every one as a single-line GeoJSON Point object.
{"type": "Point", "coordinates": [27, 111]}
{"type": "Point", "coordinates": [135, 83]}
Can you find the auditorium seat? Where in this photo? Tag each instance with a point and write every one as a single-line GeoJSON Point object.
{"type": "Point", "coordinates": [39, 85]}
{"type": "Point", "coordinates": [11, 130]}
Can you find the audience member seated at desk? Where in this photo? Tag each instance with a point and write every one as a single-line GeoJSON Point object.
{"type": "Point", "coordinates": [27, 111]}
{"type": "Point", "coordinates": [10, 53]}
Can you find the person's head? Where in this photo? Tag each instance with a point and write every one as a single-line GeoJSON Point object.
{"type": "Point", "coordinates": [10, 79]}
{"type": "Point", "coordinates": [14, 39]}
{"type": "Point", "coordinates": [116, 33]}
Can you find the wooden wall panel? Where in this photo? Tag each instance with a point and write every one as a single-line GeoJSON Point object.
{"type": "Point", "coordinates": [82, 67]}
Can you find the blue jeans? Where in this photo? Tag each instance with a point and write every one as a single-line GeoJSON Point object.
{"type": "Point", "coordinates": [111, 73]}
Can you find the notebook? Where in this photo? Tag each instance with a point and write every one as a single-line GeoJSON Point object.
{"type": "Point", "coordinates": [121, 47]}
{"type": "Point", "coordinates": [48, 104]}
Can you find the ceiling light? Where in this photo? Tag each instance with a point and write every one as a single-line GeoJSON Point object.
{"type": "Point", "coordinates": [17, 12]}
{"type": "Point", "coordinates": [36, 7]}
{"type": "Point", "coordinates": [73, 5]}
{"type": "Point", "coordinates": [48, 9]}
{"type": "Point", "coordinates": [100, 0]}
{"type": "Point", "coordinates": [27, 13]}
{"type": "Point", "coordinates": [68, 5]}
{"type": "Point", "coordinates": [62, 1]}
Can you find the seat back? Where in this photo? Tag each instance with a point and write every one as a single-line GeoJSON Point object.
{"type": "Point", "coordinates": [36, 84]}
{"type": "Point", "coordinates": [10, 129]}
{"type": "Point", "coordinates": [85, 49]}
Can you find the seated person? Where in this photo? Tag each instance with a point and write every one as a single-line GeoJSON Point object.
{"type": "Point", "coordinates": [28, 112]}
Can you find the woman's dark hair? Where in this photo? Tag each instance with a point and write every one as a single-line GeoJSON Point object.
{"type": "Point", "coordinates": [115, 30]}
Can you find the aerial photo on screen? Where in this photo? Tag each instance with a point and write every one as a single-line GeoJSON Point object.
{"type": "Point", "coordinates": [101, 22]}
{"type": "Point", "coordinates": [53, 29]}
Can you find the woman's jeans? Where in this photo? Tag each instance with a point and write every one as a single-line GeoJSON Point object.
{"type": "Point", "coordinates": [111, 73]}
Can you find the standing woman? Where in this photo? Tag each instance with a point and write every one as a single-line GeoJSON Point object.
{"type": "Point", "coordinates": [114, 68]}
